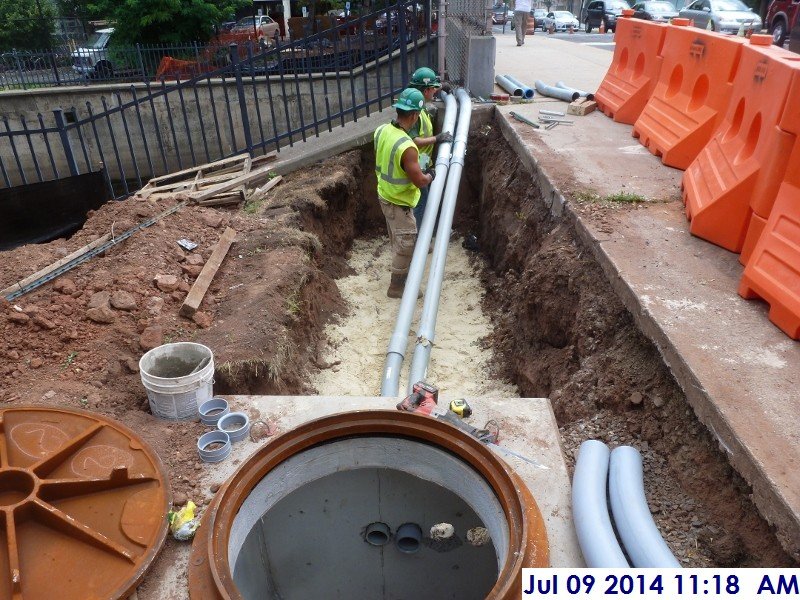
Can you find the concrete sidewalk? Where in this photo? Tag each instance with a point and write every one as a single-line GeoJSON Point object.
{"type": "Point", "coordinates": [739, 372]}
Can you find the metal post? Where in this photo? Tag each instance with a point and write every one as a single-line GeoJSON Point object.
{"type": "Point", "coordinates": [441, 38]}
{"type": "Point", "coordinates": [19, 69]}
{"type": "Point", "coordinates": [237, 70]}
{"type": "Point", "coordinates": [141, 61]}
{"type": "Point", "coordinates": [401, 33]}
{"type": "Point", "coordinates": [58, 113]}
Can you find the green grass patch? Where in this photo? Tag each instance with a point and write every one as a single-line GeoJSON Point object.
{"type": "Point", "coordinates": [618, 198]}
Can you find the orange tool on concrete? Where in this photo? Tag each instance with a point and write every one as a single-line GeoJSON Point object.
{"type": "Point", "coordinates": [773, 271]}
{"type": "Point", "coordinates": [634, 70]}
{"type": "Point", "coordinates": [423, 399]}
{"type": "Point", "coordinates": [692, 94]}
{"type": "Point", "coordinates": [740, 169]}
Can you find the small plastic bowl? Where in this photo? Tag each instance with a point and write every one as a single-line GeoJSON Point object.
{"type": "Point", "coordinates": [214, 446]}
{"type": "Point", "coordinates": [236, 425]}
{"type": "Point", "coordinates": [211, 411]}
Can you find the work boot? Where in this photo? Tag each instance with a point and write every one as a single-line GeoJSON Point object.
{"type": "Point", "coordinates": [396, 286]}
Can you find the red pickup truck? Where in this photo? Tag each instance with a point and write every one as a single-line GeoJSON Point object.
{"type": "Point", "coordinates": [781, 17]}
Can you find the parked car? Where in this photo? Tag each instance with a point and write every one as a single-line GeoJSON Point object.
{"type": "Point", "coordinates": [561, 20]}
{"type": "Point", "coordinates": [659, 11]}
{"type": "Point", "coordinates": [726, 16]}
{"type": "Point", "coordinates": [603, 11]}
{"type": "Point", "coordinates": [539, 15]}
{"type": "Point", "coordinates": [501, 14]}
{"type": "Point", "coordinates": [93, 59]}
{"type": "Point", "coordinates": [781, 19]}
{"type": "Point", "coordinates": [262, 26]}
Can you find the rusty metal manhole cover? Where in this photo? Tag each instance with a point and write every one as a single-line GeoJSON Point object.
{"type": "Point", "coordinates": [83, 503]}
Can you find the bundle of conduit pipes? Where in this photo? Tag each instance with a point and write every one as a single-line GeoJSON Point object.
{"type": "Point", "coordinates": [442, 194]}
{"type": "Point", "coordinates": [621, 471]}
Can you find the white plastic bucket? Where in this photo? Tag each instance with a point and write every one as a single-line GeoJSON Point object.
{"type": "Point", "coordinates": [176, 392]}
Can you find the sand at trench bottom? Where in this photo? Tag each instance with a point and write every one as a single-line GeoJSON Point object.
{"type": "Point", "coordinates": [459, 367]}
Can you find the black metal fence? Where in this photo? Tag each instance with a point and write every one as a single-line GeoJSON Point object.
{"type": "Point", "coordinates": [251, 98]}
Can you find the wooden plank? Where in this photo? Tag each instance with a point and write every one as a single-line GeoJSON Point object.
{"type": "Point", "coordinates": [229, 185]}
{"type": "Point", "coordinates": [206, 167]}
{"type": "Point", "coordinates": [59, 263]}
{"type": "Point", "coordinates": [203, 281]}
{"type": "Point", "coordinates": [234, 197]}
{"type": "Point", "coordinates": [267, 187]}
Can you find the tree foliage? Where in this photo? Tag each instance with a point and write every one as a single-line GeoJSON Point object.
{"type": "Point", "coordinates": [158, 21]}
{"type": "Point", "coordinates": [23, 26]}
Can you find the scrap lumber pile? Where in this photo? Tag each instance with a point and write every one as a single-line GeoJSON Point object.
{"type": "Point", "coordinates": [228, 181]}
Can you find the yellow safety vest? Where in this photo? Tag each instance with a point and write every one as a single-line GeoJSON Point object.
{"type": "Point", "coordinates": [393, 183]}
{"type": "Point", "coordinates": [425, 130]}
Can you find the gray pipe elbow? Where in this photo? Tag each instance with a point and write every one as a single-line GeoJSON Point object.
{"type": "Point", "coordinates": [590, 510]}
{"type": "Point", "coordinates": [637, 530]}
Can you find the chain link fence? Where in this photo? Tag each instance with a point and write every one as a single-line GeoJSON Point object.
{"type": "Point", "coordinates": [466, 20]}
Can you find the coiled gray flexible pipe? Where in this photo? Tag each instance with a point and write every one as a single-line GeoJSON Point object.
{"type": "Point", "coordinates": [430, 308]}
{"type": "Point", "coordinates": [395, 354]}
{"type": "Point", "coordinates": [590, 510]}
{"type": "Point", "coordinates": [637, 530]}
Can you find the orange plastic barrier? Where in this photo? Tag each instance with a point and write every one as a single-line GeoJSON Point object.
{"type": "Point", "coordinates": [773, 271]}
{"type": "Point", "coordinates": [173, 68]}
{"type": "Point", "coordinates": [745, 161]}
{"type": "Point", "coordinates": [633, 74]}
{"type": "Point", "coordinates": [692, 93]}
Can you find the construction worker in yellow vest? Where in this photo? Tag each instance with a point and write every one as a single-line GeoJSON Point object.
{"type": "Point", "coordinates": [400, 178]}
{"type": "Point", "coordinates": [426, 81]}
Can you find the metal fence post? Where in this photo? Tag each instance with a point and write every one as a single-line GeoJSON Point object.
{"type": "Point", "coordinates": [19, 69]}
{"type": "Point", "coordinates": [237, 70]}
{"type": "Point", "coordinates": [401, 34]}
{"type": "Point", "coordinates": [62, 133]}
{"type": "Point", "coordinates": [141, 62]}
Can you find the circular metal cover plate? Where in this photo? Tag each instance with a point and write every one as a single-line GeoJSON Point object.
{"type": "Point", "coordinates": [83, 504]}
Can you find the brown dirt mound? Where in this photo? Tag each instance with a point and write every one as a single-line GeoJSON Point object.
{"type": "Point", "coordinates": [261, 316]}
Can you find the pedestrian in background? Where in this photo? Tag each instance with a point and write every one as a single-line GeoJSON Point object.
{"type": "Point", "coordinates": [522, 11]}
{"type": "Point", "coordinates": [426, 81]}
{"type": "Point", "coordinates": [400, 179]}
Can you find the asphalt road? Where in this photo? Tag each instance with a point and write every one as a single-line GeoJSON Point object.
{"type": "Point", "coordinates": [604, 41]}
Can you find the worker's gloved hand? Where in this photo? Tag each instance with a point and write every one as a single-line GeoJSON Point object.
{"type": "Point", "coordinates": [430, 171]}
{"type": "Point", "coordinates": [446, 88]}
{"type": "Point", "coordinates": [444, 137]}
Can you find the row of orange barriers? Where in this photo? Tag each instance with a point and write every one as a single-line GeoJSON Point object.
{"type": "Point", "coordinates": [726, 110]}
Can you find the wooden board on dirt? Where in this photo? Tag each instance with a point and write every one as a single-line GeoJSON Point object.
{"type": "Point", "coordinates": [581, 107]}
{"type": "Point", "coordinates": [203, 281]}
{"type": "Point", "coordinates": [52, 267]}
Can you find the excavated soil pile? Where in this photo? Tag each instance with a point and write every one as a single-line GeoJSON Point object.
{"type": "Point", "coordinates": [76, 341]}
{"type": "Point", "coordinates": [563, 334]}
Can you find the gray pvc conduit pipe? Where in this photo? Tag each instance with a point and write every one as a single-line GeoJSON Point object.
{"type": "Point", "coordinates": [395, 353]}
{"type": "Point", "coordinates": [504, 83]}
{"type": "Point", "coordinates": [637, 530]}
{"type": "Point", "coordinates": [590, 510]}
{"type": "Point", "coordinates": [555, 92]}
{"type": "Point", "coordinates": [527, 92]}
{"type": "Point", "coordinates": [564, 86]}
{"type": "Point", "coordinates": [430, 307]}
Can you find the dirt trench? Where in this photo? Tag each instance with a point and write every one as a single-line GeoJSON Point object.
{"type": "Point", "coordinates": [560, 332]}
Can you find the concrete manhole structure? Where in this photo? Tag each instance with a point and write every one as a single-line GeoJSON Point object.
{"type": "Point", "coordinates": [343, 507]}
{"type": "Point", "coordinates": [83, 502]}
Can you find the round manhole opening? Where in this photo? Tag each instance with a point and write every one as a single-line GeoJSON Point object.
{"type": "Point", "coordinates": [314, 511]}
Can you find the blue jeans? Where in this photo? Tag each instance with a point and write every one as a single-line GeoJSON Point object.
{"type": "Point", "coordinates": [419, 209]}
